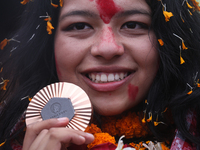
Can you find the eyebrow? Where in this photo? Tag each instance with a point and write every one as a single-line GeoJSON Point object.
{"type": "Point", "coordinates": [84, 13]}
{"type": "Point", "coordinates": [132, 12]}
{"type": "Point", "coordinates": [91, 14]}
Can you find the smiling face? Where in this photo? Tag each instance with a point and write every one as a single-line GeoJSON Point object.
{"type": "Point", "coordinates": [108, 51]}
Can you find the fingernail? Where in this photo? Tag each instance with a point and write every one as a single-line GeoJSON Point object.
{"type": "Point", "coordinates": [81, 138]}
{"type": "Point", "coordinates": [89, 134]}
{"type": "Point", "coordinates": [62, 119]}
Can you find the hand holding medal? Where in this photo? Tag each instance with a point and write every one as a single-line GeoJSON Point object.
{"type": "Point", "coordinates": [60, 100]}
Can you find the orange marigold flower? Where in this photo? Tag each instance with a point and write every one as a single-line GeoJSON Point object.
{"type": "Point", "coordinates": [49, 27]}
{"type": "Point", "coordinates": [3, 43]}
{"type": "Point", "coordinates": [196, 4]}
{"type": "Point", "coordinates": [109, 125]}
{"type": "Point", "coordinates": [24, 2]}
{"type": "Point", "coordinates": [93, 129]}
{"type": "Point", "coordinates": [5, 83]}
{"type": "Point", "coordinates": [101, 138]}
{"type": "Point", "coordinates": [131, 126]}
{"type": "Point", "coordinates": [164, 147]}
{"type": "Point", "coordinates": [137, 146]}
{"type": "Point", "coordinates": [167, 15]}
{"type": "Point", "coordinates": [161, 42]}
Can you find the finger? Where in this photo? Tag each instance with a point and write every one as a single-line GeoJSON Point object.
{"type": "Point", "coordinates": [56, 136]}
{"type": "Point", "coordinates": [34, 129]}
{"type": "Point", "coordinates": [53, 138]}
{"type": "Point", "coordinates": [40, 138]}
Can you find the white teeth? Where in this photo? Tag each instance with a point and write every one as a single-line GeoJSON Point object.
{"type": "Point", "coordinates": [121, 75]}
{"type": "Point", "coordinates": [107, 77]}
{"type": "Point", "coordinates": [116, 77]}
{"type": "Point", "coordinates": [98, 78]}
{"type": "Point", "coordinates": [104, 78]}
{"type": "Point", "coordinates": [111, 77]}
{"type": "Point", "coordinates": [93, 77]}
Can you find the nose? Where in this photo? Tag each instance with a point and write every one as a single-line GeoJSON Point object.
{"type": "Point", "coordinates": [106, 45]}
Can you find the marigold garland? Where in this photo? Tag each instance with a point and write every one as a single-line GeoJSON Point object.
{"type": "Point", "coordinates": [101, 138]}
{"type": "Point", "coordinates": [196, 4]}
{"type": "Point", "coordinates": [104, 138]}
{"type": "Point", "coordinates": [129, 125]}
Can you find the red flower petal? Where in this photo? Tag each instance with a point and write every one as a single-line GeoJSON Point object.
{"type": "Point", "coordinates": [104, 146]}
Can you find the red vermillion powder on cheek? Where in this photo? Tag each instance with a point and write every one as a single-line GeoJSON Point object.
{"type": "Point", "coordinates": [107, 9]}
{"type": "Point", "coordinates": [132, 91]}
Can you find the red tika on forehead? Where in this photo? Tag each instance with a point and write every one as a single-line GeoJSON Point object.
{"type": "Point", "coordinates": [107, 9]}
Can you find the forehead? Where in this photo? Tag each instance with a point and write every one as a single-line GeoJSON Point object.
{"type": "Point", "coordinates": [98, 6]}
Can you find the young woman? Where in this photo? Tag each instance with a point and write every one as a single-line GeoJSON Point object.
{"type": "Point", "coordinates": [138, 57]}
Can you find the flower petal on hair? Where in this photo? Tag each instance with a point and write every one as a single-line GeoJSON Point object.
{"type": "Point", "coordinates": [1, 69]}
{"type": "Point", "coordinates": [5, 83]}
{"type": "Point", "coordinates": [161, 42]}
{"type": "Point", "coordinates": [3, 43]}
{"type": "Point", "coordinates": [54, 5]}
{"type": "Point", "coordinates": [61, 3]}
{"type": "Point", "coordinates": [183, 46]}
{"type": "Point", "coordinates": [190, 92]}
{"type": "Point", "coordinates": [155, 123]}
{"type": "Point", "coordinates": [198, 84]}
{"type": "Point", "coordinates": [24, 2]}
{"type": "Point", "coordinates": [189, 6]}
{"type": "Point", "coordinates": [167, 15]}
{"type": "Point", "coordinates": [29, 99]}
{"type": "Point", "coordinates": [2, 143]}
{"type": "Point", "coordinates": [49, 27]}
{"type": "Point", "coordinates": [150, 118]}
{"type": "Point", "coordinates": [182, 60]}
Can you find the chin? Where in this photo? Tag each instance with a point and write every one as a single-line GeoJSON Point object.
{"type": "Point", "coordinates": [109, 112]}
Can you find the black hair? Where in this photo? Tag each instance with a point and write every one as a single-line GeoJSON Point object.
{"type": "Point", "coordinates": [30, 65]}
{"type": "Point", "coordinates": [174, 80]}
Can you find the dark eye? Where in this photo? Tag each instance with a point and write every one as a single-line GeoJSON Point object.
{"type": "Point", "coordinates": [134, 25]}
{"type": "Point", "coordinates": [78, 26]}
